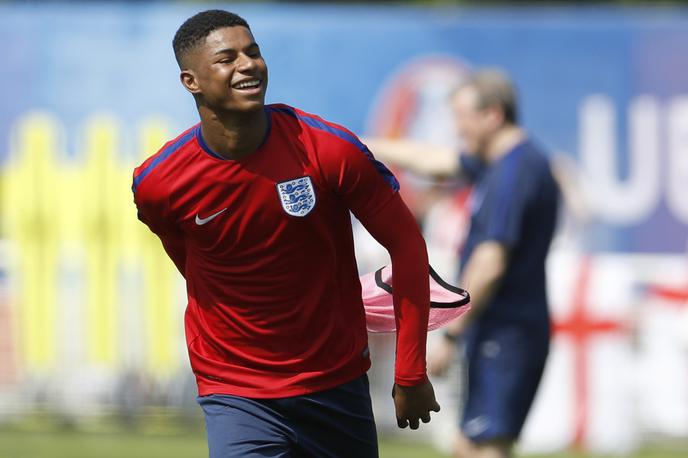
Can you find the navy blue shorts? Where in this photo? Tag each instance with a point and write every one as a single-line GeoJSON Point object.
{"type": "Point", "coordinates": [505, 365]}
{"type": "Point", "coordinates": [333, 423]}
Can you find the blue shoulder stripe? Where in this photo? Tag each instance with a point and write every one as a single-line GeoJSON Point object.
{"type": "Point", "coordinates": [167, 152]}
{"type": "Point", "coordinates": [344, 135]}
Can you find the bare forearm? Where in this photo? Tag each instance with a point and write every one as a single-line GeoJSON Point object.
{"type": "Point", "coordinates": [482, 276]}
{"type": "Point", "coordinates": [421, 158]}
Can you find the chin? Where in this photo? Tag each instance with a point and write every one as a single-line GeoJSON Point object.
{"type": "Point", "coordinates": [245, 106]}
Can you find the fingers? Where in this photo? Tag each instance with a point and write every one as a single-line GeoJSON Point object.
{"type": "Point", "coordinates": [414, 404]}
{"type": "Point", "coordinates": [413, 423]}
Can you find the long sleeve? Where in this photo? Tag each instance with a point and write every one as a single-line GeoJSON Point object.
{"type": "Point", "coordinates": [369, 190]}
{"type": "Point", "coordinates": [396, 229]}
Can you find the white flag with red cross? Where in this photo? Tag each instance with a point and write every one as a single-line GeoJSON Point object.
{"type": "Point", "coordinates": [586, 397]}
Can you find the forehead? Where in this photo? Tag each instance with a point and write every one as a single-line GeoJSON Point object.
{"type": "Point", "coordinates": [236, 37]}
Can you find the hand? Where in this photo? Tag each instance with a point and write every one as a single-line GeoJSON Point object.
{"type": "Point", "coordinates": [413, 403]}
{"type": "Point", "coordinates": [441, 356]}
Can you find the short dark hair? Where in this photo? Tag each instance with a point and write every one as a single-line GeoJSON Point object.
{"type": "Point", "coordinates": [199, 26]}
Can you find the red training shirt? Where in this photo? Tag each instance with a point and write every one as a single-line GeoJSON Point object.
{"type": "Point", "coordinates": [265, 245]}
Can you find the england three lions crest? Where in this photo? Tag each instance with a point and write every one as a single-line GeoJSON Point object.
{"type": "Point", "coordinates": [297, 196]}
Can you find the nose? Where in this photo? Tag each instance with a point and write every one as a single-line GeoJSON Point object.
{"type": "Point", "coordinates": [245, 62]}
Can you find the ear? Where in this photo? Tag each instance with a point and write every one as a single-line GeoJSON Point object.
{"type": "Point", "coordinates": [188, 79]}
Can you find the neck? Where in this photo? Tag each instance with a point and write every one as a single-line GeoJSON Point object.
{"type": "Point", "coordinates": [236, 135]}
{"type": "Point", "coordinates": [503, 141]}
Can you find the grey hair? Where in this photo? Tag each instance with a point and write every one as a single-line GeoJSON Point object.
{"type": "Point", "coordinates": [494, 88]}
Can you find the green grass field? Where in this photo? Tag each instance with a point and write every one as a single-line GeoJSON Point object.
{"type": "Point", "coordinates": [72, 444]}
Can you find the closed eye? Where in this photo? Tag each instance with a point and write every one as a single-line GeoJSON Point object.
{"type": "Point", "coordinates": [253, 51]}
{"type": "Point", "coordinates": [226, 56]}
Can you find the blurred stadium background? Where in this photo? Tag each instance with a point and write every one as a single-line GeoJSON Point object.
{"type": "Point", "coordinates": [92, 353]}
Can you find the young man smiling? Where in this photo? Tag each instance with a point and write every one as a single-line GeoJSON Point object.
{"type": "Point", "coordinates": [252, 205]}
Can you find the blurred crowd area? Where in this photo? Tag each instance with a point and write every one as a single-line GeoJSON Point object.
{"type": "Point", "coordinates": [91, 309]}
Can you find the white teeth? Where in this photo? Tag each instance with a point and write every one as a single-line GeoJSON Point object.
{"type": "Point", "coordinates": [247, 84]}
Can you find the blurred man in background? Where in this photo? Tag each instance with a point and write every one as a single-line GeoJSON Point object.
{"type": "Point", "coordinates": [513, 217]}
{"type": "Point", "coordinates": [252, 205]}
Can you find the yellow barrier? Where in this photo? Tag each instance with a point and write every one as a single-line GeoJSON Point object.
{"type": "Point", "coordinates": [60, 212]}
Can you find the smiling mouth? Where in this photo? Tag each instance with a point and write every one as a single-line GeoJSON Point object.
{"type": "Point", "coordinates": [247, 84]}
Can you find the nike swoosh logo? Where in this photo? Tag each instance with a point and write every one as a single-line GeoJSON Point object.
{"type": "Point", "coordinates": [201, 221]}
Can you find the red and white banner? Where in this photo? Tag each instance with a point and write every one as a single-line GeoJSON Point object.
{"type": "Point", "coordinates": [617, 370]}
